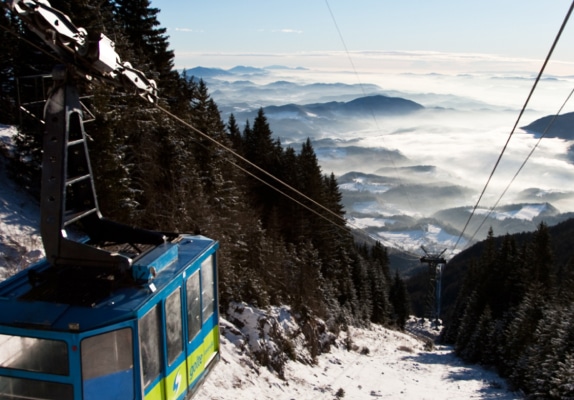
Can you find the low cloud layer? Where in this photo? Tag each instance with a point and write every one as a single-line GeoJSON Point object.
{"type": "Point", "coordinates": [432, 159]}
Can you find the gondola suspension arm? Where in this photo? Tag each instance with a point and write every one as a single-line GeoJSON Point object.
{"type": "Point", "coordinates": [92, 55]}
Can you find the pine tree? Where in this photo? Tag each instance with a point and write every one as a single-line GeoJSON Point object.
{"type": "Point", "coordinates": [520, 332]}
{"type": "Point", "coordinates": [364, 310]}
{"type": "Point", "coordinates": [290, 214]}
{"type": "Point", "coordinates": [477, 345]}
{"type": "Point", "coordinates": [541, 259]}
{"type": "Point", "coordinates": [378, 271]}
{"type": "Point", "coordinates": [562, 384]}
{"type": "Point", "coordinates": [262, 150]}
{"type": "Point", "coordinates": [260, 147]}
{"type": "Point", "coordinates": [537, 364]}
{"type": "Point", "coordinates": [137, 20]}
{"type": "Point", "coordinates": [467, 326]}
{"type": "Point", "coordinates": [513, 276]}
{"type": "Point", "coordinates": [309, 280]}
{"type": "Point", "coordinates": [400, 302]}
{"type": "Point", "coordinates": [205, 117]}
{"type": "Point", "coordinates": [451, 331]}
{"type": "Point", "coordinates": [8, 61]}
{"type": "Point", "coordinates": [234, 134]}
{"type": "Point", "coordinates": [117, 196]}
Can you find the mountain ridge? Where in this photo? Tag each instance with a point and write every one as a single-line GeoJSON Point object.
{"type": "Point", "coordinates": [378, 104]}
{"type": "Point", "coordinates": [553, 126]}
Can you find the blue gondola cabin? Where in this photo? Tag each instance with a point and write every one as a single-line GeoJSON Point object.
{"type": "Point", "coordinates": [62, 338]}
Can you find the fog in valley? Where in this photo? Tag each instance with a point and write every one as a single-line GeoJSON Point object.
{"type": "Point", "coordinates": [412, 175]}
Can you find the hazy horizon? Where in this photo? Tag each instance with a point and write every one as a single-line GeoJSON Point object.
{"type": "Point", "coordinates": [467, 122]}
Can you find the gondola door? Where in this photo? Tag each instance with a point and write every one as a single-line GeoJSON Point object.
{"type": "Point", "coordinates": [176, 365]}
{"type": "Point", "coordinates": [164, 365]}
{"type": "Point", "coordinates": [202, 321]}
{"type": "Point", "coordinates": [195, 340]}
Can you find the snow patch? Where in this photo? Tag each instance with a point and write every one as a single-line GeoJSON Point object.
{"type": "Point", "coordinates": [359, 185]}
{"type": "Point", "coordinates": [364, 223]}
{"type": "Point", "coordinates": [20, 242]}
{"type": "Point", "coordinates": [412, 240]}
{"type": "Point", "coordinates": [376, 208]}
{"type": "Point", "coordinates": [527, 212]}
{"type": "Point", "coordinates": [362, 363]}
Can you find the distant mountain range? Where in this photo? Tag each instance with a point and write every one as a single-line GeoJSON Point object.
{"type": "Point", "coordinates": [295, 121]}
{"type": "Point", "coordinates": [205, 72]}
{"type": "Point", "coordinates": [243, 90]}
{"type": "Point", "coordinates": [360, 107]}
{"type": "Point", "coordinates": [403, 202]}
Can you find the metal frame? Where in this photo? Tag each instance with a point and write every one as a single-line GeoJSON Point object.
{"type": "Point", "coordinates": [435, 263]}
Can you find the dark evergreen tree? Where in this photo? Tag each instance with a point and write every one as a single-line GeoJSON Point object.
{"type": "Point", "coordinates": [309, 281]}
{"type": "Point", "coordinates": [451, 331]}
{"type": "Point", "coordinates": [380, 284]}
{"type": "Point", "coordinates": [263, 151]}
{"type": "Point", "coordinates": [206, 118]}
{"type": "Point", "coordinates": [109, 151]}
{"type": "Point", "coordinates": [510, 284]}
{"type": "Point", "coordinates": [9, 58]}
{"type": "Point", "coordinates": [562, 387]}
{"type": "Point", "coordinates": [289, 220]}
{"type": "Point", "coordinates": [137, 20]}
{"type": "Point", "coordinates": [478, 342]}
{"type": "Point", "coordinates": [550, 343]}
{"type": "Point", "coordinates": [519, 334]}
{"type": "Point", "coordinates": [467, 325]}
{"type": "Point", "coordinates": [540, 258]}
{"type": "Point", "coordinates": [361, 281]}
{"type": "Point", "coordinates": [260, 147]}
{"type": "Point", "coordinates": [399, 299]}
{"type": "Point", "coordinates": [234, 134]}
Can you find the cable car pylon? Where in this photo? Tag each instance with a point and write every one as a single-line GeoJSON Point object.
{"type": "Point", "coordinates": [435, 264]}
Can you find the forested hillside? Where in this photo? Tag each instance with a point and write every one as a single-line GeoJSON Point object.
{"type": "Point", "coordinates": [515, 310]}
{"type": "Point", "coordinates": [154, 172]}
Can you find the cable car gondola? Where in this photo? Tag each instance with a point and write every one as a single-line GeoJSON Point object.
{"type": "Point", "coordinates": [155, 340]}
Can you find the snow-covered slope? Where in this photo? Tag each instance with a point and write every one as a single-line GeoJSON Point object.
{"type": "Point", "coordinates": [381, 364]}
{"type": "Point", "coordinates": [20, 242]}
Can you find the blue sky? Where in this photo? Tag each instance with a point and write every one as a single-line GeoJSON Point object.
{"type": "Point", "coordinates": [224, 33]}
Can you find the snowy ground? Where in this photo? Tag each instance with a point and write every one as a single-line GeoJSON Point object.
{"type": "Point", "coordinates": [385, 364]}
{"type": "Point", "coordinates": [20, 242]}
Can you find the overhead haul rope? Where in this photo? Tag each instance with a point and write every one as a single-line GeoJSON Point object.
{"type": "Point", "coordinates": [523, 164]}
{"type": "Point", "coordinates": [348, 53]}
{"type": "Point", "coordinates": [516, 123]}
